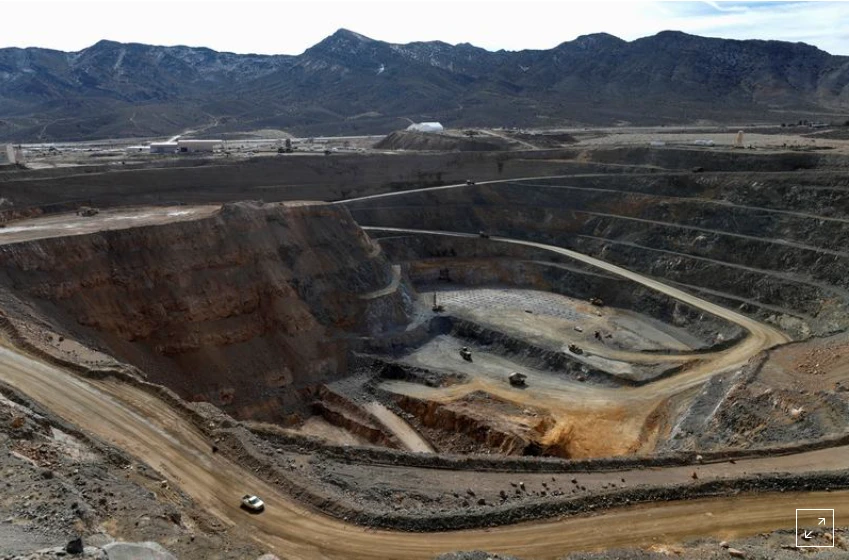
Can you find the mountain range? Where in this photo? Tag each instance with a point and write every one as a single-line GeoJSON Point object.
{"type": "Point", "coordinates": [351, 84]}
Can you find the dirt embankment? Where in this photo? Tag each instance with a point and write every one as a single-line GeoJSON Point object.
{"type": "Point", "coordinates": [343, 176]}
{"type": "Point", "coordinates": [271, 461]}
{"type": "Point", "coordinates": [795, 393]}
{"type": "Point", "coordinates": [455, 418]}
{"type": "Point", "coordinates": [341, 411]}
{"type": "Point", "coordinates": [344, 497]}
{"type": "Point", "coordinates": [295, 177]}
{"type": "Point", "coordinates": [77, 486]}
{"type": "Point", "coordinates": [404, 140]}
{"type": "Point", "coordinates": [714, 160]}
{"type": "Point", "coordinates": [243, 309]}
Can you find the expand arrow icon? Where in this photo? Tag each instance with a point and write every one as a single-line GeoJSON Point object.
{"type": "Point", "coordinates": [807, 535]}
{"type": "Point", "coordinates": [822, 521]}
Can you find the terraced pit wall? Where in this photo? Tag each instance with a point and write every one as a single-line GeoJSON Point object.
{"type": "Point", "coordinates": [245, 309]}
{"type": "Point", "coordinates": [481, 262]}
{"type": "Point", "coordinates": [343, 176]}
{"type": "Point", "coordinates": [718, 158]}
{"type": "Point", "coordinates": [772, 246]}
{"type": "Point", "coordinates": [277, 178]}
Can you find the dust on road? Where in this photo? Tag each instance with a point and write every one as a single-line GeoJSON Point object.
{"type": "Point", "coordinates": [61, 225]}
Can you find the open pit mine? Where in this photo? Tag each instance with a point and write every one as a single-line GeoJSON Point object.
{"type": "Point", "coordinates": [578, 350]}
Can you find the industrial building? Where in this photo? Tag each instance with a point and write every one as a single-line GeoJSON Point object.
{"type": "Point", "coordinates": [163, 147]}
{"type": "Point", "coordinates": [185, 146]}
{"type": "Point", "coordinates": [190, 146]}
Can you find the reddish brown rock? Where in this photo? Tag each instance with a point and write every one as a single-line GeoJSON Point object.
{"type": "Point", "coordinates": [242, 308]}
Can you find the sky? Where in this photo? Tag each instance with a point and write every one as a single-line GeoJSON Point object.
{"type": "Point", "coordinates": [291, 26]}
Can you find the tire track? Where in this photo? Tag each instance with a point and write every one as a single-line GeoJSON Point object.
{"type": "Point", "coordinates": [151, 431]}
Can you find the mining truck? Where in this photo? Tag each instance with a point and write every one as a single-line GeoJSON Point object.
{"type": "Point", "coordinates": [517, 379]}
{"type": "Point", "coordinates": [87, 211]}
{"type": "Point", "coordinates": [466, 354]}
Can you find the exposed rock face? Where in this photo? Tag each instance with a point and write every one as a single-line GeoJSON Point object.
{"type": "Point", "coordinates": [774, 250]}
{"type": "Point", "coordinates": [480, 425]}
{"type": "Point", "coordinates": [343, 412]}
{"type": "Point", "coordinates": [241, 309]}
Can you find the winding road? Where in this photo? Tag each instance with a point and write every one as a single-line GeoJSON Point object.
{"type": "Point", "coordinates": [760, 337]}
{"type": "Point", "coordinates": [145, 427]}
{"type": "Point", "coordinates": [150, 430]}
{"type": "Point", "coordinates": [601, 420]}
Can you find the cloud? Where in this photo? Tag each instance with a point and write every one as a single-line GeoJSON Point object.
{"type": "Point", "coordinates": [727, 8]}
{"type": "Point", "coordinates": [818, 23]}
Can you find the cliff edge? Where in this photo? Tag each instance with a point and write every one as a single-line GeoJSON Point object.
{"type": "Point", "coordinates": [244, 308]}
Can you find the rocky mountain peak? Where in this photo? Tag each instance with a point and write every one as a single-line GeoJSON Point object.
{"type": "Point", "coordinates": [671, 76]}
{"type": "Point", "coordinates": [596, 41]}
{"type": "Point", "coordinates": [343, 41]}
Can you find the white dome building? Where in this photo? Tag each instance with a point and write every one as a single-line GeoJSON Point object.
{"type": "Point", "coordinates": [431, 127]}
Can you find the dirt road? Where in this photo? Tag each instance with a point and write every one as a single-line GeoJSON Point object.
{"type": "Point", "coordinates": [391, 288]}
{"type": "Point", "coordinates": [61, 225]}
{"type": "Point", "coordinates": [700, 200]}
{"type": "Point", "coordinates": [151, 431]}
{"type": "Point", "coordinates": [602, 420]}
{"type": "Point", "coordinates": [761, 337]}
{"type": "Point", "coordinates": [408, 436]}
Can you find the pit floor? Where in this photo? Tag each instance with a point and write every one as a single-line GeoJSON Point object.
{"type": "Point", "coordinates": [554, 322]}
